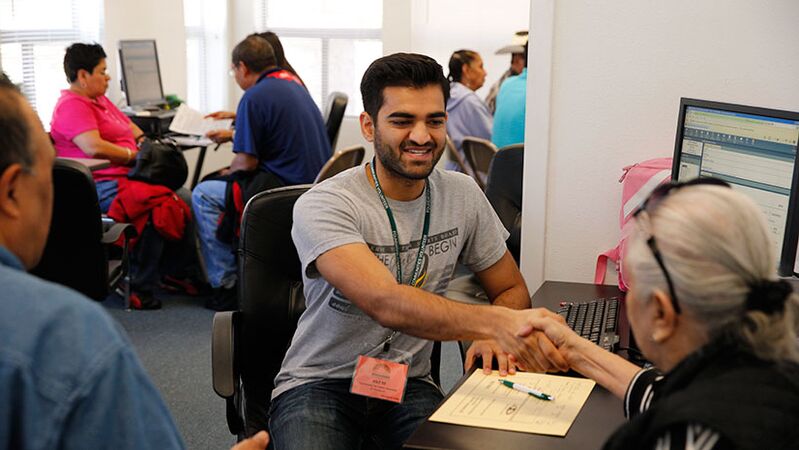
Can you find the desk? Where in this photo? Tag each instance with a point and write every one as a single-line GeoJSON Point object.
{"type": "Point", "coordinates": [601, 415]}
{"type": "Point", "coordinates": [198, 166]}
{"type": "Point", "coordinates": [91, 163]}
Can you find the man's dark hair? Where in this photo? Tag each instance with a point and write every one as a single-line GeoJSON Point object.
{"type": "Point", "coordinates": [402, 70]}
{"type": "Point", "coordinates": [82, 56]}
{"type": "Point", "coordinates": [255, 52]}
{"type": "Point", "coordinates": [456, 63]}
{"type": "Point", "coordinates": [14, 128]}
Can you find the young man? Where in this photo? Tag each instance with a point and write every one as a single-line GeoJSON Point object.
{"type": "Point", "coordinates": [378, 246]}
{"type": "Point", "coordinates": [69, 378]}
{"type": "Point", "coordinates": [280, 140]}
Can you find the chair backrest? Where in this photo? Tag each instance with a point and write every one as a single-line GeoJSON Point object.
{"type": "Point", "coordinates": [479, 153]}
{"type": "Point", "coordinates": [504, 191]}
{"type": "Point", "coordinates": [74, 254]}
{"type": "Point", "coordinates": [455, 156]}
{"type": "Point", "coordinates": [334, 114]}
{"type": "Point", "coordinates": [341, 161]}
{"type": "Point", "coordinates": [270, 293]}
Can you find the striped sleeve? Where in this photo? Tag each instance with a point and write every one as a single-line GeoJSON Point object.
{"type": "Point", "coordinates": [640, 391]}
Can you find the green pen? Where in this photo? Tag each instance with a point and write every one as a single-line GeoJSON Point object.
{"type": "Point", "coordinates": [527, 390]}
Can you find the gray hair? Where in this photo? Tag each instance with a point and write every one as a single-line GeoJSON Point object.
{"type": "Point", "coordinates": [15, 133]}
{"type": "Point", "coordinates": [715, 245]}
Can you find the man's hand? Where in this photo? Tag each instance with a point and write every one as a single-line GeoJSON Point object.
{"type": "Point", "coordinates": [221, 115]}
{"type": "Point", "coordinates": [488, 350]}
{"type": "Point", "coordinates": [529, 349]}
{"type": "Point", "coordinates": [557, 332]}
{"type": "Point", "coordinates": [220, 136]}
{"type": "Point", "coordinates": [257, 442]}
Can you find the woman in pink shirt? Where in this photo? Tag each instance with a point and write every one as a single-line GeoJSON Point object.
{"type": "Point", "coordinates": [86, 123]}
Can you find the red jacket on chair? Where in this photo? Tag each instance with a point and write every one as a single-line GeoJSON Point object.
{"type": "Point", "coordinates": [137, 201]}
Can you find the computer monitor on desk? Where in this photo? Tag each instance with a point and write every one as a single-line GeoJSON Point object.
{"type": "Point", "coordinates": [141, 74]}
{"type": "Point", "coordinates": [753, 149]}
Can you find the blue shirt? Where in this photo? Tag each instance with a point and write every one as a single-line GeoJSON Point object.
{"type": "Point", "coordinates": [467, 116]}
{"type": "Point", "coordinates": [69, 378]}
{"type": "Point", "coordinates": [278, 123]}
{"type": "Point", "coordinates": [509, 116]}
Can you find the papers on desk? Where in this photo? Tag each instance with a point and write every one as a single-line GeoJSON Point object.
{"type": "Point", "coordinates": [191, 141]}
{"type": "Point", "coordinates": [191, 121]}
{"type": "Point", "coordinates": [483, 402]}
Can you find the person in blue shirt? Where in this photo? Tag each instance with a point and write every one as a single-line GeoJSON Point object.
{"type": "Point", "coordinates": [467, 114]}
{"type": "Point", "coordinates": [280, 140]}
{"type": "Point", "coordinates": [511, 104]}
{"type": "Point", "coordinates": [69, 377]}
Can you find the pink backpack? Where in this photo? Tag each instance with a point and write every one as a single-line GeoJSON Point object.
{"type": "Point", "coordinates": [639, 180]}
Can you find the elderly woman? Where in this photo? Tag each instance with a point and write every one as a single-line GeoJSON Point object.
{"type": "Point", "coordinates": [468, 114]}
{"type": "Point", "coordinates": [706, 308]}
{"type": "Point", "coordinates": [86, 124]}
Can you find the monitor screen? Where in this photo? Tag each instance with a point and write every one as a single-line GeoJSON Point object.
{"type": "Point", "coordinates": [141, 77]}
{"type": "Point", "coordinates": [753, 149]}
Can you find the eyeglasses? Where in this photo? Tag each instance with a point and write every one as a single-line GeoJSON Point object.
{"type": "Point", "coordinates": [651, 203]}
{"type": "Point", "coordinates": [232, 71]}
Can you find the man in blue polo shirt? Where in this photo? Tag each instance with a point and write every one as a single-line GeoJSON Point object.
{"type": "Point", "coordinates": [280, 140]}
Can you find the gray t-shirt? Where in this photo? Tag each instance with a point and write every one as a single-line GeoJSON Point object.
{"type": "Point", "coordinates": [346, 209]}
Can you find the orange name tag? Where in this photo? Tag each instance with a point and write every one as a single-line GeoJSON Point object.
{"type": "Point", "coordinates": [378, 378]}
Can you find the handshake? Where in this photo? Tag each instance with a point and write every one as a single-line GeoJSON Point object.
{"type": "Point", "coordinates": [534, 340]}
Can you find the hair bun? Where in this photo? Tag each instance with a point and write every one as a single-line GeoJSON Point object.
{"type": "Point", "coordinates": [768, 296]}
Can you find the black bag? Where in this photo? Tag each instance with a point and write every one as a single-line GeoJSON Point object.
{"type": "Point", "coordinates": [161, 163]}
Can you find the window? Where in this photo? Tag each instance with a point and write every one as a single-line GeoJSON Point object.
{"type": "Point", "coordinates": [206, 59]}
{"type": "Point", "coordinates": [32, 44]}
{"type": "Point", "coordinates": [329, 43]}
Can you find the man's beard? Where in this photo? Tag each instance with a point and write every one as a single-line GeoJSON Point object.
{"type": "Point", "coordinates": [391, 160]}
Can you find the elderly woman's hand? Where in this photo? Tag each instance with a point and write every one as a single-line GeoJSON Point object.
{"type": "Point", "coordinates": [529, 349]}
{"type": "Point", "coordinates": [557, 332]}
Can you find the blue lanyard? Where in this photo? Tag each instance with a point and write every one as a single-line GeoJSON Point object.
{"type": "Point", "coordinates": [414, 281]}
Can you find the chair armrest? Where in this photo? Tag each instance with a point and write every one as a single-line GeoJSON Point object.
{"type": "Point", "coordinates": [223, 345]}
{"type": "Point", "coordinates": [112, 231]}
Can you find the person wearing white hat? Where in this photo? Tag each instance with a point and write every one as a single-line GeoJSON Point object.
{"type": "Point", "coordinates": [517, 64]}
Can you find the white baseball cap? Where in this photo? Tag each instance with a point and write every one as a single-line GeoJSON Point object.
{"type": "Point", "coordinates": [517, 45]}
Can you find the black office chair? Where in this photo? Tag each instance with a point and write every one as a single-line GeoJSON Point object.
{"type": "Point", "coordinates": [248, 345]}
{"type": "Point", "coordinates": [478, 154]}
{"type": "Point", "coordinates": [504, 191]}
{"type": "Point", "coordinates": [334, 115]}
{"type": "Point", "coordinates": [341, 161]}
{"type": "Point", "coordinates": [78, 246]}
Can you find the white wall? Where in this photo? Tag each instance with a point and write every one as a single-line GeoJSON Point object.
{"type": "Point", "coordinates": [618, 69]}
{"type": "Point", "coordinates": [161, 20]}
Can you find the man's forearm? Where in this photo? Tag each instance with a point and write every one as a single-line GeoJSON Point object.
{"type": "Point", "coordinates": [514, 298]}
{"type": "Point", "coordinates": [423, 314]}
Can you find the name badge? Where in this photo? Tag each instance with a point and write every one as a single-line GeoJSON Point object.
{"type": "Point", "coordinates": [379, 378]}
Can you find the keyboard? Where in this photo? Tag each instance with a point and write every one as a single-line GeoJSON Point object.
{"type": "Point", "coordinates": [596, 320]}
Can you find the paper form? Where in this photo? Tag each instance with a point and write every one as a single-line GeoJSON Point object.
{"type": "Point", "coordinates": [191, 121]}
{"type": "Point", "coordinates": [483, 402]}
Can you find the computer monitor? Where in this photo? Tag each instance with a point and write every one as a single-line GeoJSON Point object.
{"type": "Point", "coordinates": [141, 76]}
{"type": "Point", "coordinates": [753, 149]}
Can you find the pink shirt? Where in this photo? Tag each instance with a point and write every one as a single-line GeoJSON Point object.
{"type": "Point", "coordinates": [75, 114]}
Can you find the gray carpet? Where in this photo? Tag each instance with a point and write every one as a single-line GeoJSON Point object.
{"type": "Point", "coordinates": [174, 344]}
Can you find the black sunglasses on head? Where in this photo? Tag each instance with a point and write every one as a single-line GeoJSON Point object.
{"type": "Point", "coordinates": [651, 203]}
